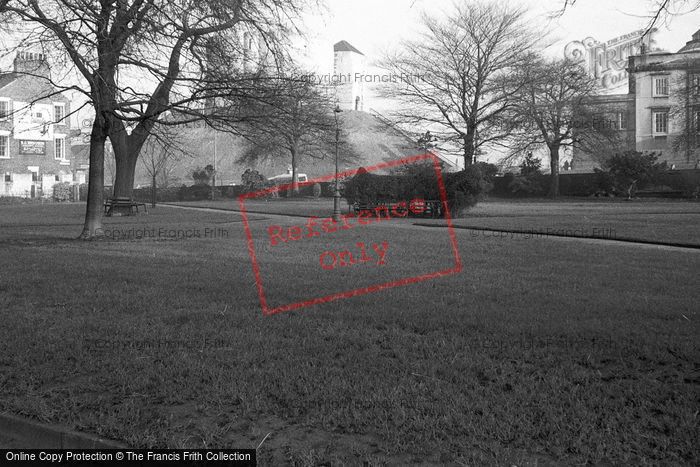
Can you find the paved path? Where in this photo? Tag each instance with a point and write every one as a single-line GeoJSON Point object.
{"type": "Point", "coordinates": [473, 233]}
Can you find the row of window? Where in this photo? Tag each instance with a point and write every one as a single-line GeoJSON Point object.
{"type": "Point", "coordinates": [661, 86]}
{"type": "Point", "coordinates": [35, 177]}
{"type": "Point", "coordinates": [659, 122]}
{"type": "Point", "coordinates": [59, 112]}
{"type": "Point", "coordinates": [59, 147]}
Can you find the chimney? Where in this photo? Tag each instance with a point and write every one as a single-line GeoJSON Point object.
{"type": "Point", "coordinates": [31, 63]}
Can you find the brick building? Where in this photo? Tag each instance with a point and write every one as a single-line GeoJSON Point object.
{"type": "Point", "coordinates": [660, 112]}
{"type": "Point", "coordinates": [35, 131]}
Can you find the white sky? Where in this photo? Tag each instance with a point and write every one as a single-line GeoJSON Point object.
{"type": "Point", "coordinates": [374, 26]}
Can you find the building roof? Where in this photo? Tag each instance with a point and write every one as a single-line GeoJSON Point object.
{"type": "Point", "coordinates": [344, 46]}
{"type": "Point", "coordinates": [692, 45]}
{"type": "Point", "coordinates": [7, 78]}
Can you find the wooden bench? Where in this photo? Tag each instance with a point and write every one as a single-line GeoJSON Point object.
{"type": "Point", "coordinates": [433, 208]}
{"type": "Point", "coordinates": [123, 206]}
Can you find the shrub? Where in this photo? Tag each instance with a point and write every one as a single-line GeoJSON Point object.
{"type": "Point", "coordinates": [605, 183]}
{"type": "Point", "coordinates": [463, 188]}
{"type": "Point", "coordinates": [317, 190]}
{"type": "Point", "coordinates": [83, 191]}
{"type": "Point", "coordinates": [632, 170]}
{"type": "Point", "coordinates": [253, 180]}
{"type": "Point", "coordinates": [61, 191]}
{"type": "Point", "coordinates": [529, 181]}
{"type": "Point", "coordinates": [467, 187]}
{"type": "Point", "coordinates": [203, 176]}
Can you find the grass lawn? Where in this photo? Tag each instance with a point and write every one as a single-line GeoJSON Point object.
{"type": "Point", "coordinates": [544, 350]}
{"type": "Point", "coordinates": [646, 220]}
{"type": "Point", "coordinates": [306, 207]}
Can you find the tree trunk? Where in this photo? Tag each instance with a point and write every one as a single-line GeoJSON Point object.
{"type": "Point", "coordinates": [468, 140]}
{"type": "Point", "coordinates": [153, 191]}
{"type": "Point", "coordinates": [295, 175]}
{"type": "Point", "coordinates": [126, 154]}
{"type": "Point", "coordinates": [95, 209]}
{"type": "Point", "coordinates": [554, 166]}
{"type": "Point", "coordinates": [125, 172]}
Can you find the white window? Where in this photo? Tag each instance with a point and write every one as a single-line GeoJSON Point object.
{"type": "Point", "coordinates": [660, 122]}
{"type": "Point", "coordinates": [59, 112]}
{"type": "Point", "coordinates": [660, 86]}
{"type": "Point", "coordinates": [4, 146]}
{"type": "Point", "coordinates": [4, 109]}
{"type": "Point", "coordinates": [60, 151]}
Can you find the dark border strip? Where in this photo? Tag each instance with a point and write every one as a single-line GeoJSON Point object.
{"type": "Point", "coordinates": [690, 246]}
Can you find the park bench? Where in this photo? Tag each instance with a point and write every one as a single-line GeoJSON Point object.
{"type": "Point", "coordinates": [123, 206]}
{"type": "Point", "coordinates": [433, 208]}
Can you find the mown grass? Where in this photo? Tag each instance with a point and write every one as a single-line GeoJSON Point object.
{"type": "Point", "coordinates": [304, 206]}
{"type": "Point", "coordinates": [543, 350]}
{"type": "Point", "coordinates": [645, 220]}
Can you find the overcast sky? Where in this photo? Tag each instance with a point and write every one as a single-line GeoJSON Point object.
{"type": "Point", "coordinates": [373, 26]}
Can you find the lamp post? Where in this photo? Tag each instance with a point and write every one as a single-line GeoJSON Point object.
{"type": "Point", "coordinates": [336, 194]}
{"type": "Point", "coordinates": [213, 177]}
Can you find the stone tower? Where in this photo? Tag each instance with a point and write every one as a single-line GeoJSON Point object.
{"type": "Point", "coordinates": [348, 72]}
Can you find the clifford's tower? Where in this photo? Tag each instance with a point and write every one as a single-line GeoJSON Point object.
{"type": "Point", "coordinates": [348, 70]}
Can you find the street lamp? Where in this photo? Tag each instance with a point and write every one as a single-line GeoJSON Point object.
{"type": "Point", "coordinates": [213, 177]}
{"type": "Point", "coordinates": [336, 195]}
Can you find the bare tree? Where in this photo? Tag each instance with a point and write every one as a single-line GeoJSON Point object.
{"type": "Point", "coordinates": [135, 60]}
{"type": "Point", "coordinates": [298, 124]}
{"type": "Point", "coordinates": [552, 108]}
{"type": "Point", "coordinates": [685, 111]}
{"type": "Point", "coordinates": [448, 78]}
{"type": "Point", "coordinates": [658, 11]}
{"type": "Point", "coordinates": [159, 155]}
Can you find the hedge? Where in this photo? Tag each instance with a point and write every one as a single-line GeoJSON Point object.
{"type": "Point", "coordinates": [62, 191]}
{"type": "Point", "coordinates": [591, 184]}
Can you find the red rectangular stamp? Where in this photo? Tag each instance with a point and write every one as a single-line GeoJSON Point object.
{"type": "Point", "coordinates": [333, 258]}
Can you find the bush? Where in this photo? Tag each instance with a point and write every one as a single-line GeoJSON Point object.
{"type": "Point", "coordinates": [529, 181]}
{"type": "Point", "coordinates": [605, 184]}
{"type": "Point", "coordinates": [467, 187]}
{"type": "Point", "coordinates": [83, 191]}
{"type": "Point", "coordinates": [632, 170]}
{"type": "Point", "coordinates": [317, 190]}
{"type": "Point", "coordinates": [61, 191]}
{"type": "Point", "coordinates": [203, 176]}
{"type": "Point", "coordinates": [463, 188]}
